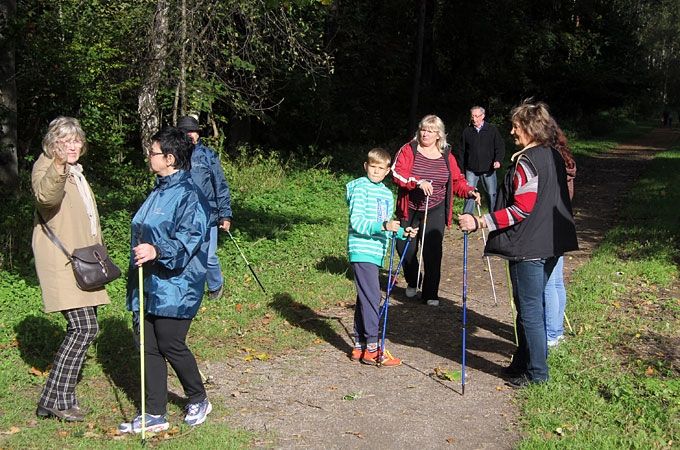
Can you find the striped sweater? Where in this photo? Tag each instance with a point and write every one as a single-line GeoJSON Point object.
{"type": "Point", "coordinates": [370, 204]}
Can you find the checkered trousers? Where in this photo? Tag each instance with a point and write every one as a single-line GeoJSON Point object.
{"type": "Point", "coordinates": [60, 389]}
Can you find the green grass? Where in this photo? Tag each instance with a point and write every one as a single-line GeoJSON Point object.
{"type": "Point", "coordinates": [290, 221]}
{"type": "Point", "coordinates": [291, 224]}
{"type": "Point", "coordinates": [616, 384]}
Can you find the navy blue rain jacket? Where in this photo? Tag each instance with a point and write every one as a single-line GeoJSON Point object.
{"type": "Point", "coordinates": [174, 219]}
{"type": "Point", "coordinates": [207, 173]}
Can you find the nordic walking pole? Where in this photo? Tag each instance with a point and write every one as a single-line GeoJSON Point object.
{"type": "Point", "coordinates": [571, 330]}
{"type": "Point", "coordinates": [140, 272]}
{"type": "Point", "coordinates": [387, 295]}
{"type": "Point", "coordinates": [512, 303]}
{"type": "Point", "coordinates": [488, 263]}
{"type": "Point", "coordinates": [244, 259]}
{"type": "Point", "coordinates": [465, 255]}
{"type": "Point", "coordinates": [422, 241]}
{"type": "Point", "coordinates": [393, 282]}
{"type": "Point", "coordinates": [401, 263]}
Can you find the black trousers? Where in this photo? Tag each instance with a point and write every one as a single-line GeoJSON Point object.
{"type": "Point", "coordinates": [432, 251]}
{"type": "Point", "coordinates": [165, 339]}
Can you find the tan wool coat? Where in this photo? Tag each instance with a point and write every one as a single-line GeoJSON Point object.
{"type": "Point", "coordinates": [60, 203]}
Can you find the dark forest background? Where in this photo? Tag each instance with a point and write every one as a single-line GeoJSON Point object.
{"type": "Point", "coordinates": [309, 77]}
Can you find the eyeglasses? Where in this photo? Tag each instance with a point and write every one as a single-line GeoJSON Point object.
{"type": "Point", "coordinates": [423, 130]}
{"type": "Point", "coordinates": [150, 154]}
{"type": "Point", "coordinates": [477, 116]}
{"type": "Point", "coordinates": [70, 141]}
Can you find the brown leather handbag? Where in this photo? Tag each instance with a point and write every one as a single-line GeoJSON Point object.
{"type": "Point", "coordinates": [91, 265]}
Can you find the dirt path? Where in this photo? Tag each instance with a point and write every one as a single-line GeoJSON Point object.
{"type": "Point", "coordinates": [319, 399]}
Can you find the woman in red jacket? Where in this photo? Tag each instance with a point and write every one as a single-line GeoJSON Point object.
{"type": "Point", "coordinates": [428, 177]}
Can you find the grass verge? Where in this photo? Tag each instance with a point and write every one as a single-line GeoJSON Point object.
{"type": "Point", "coordinates": [617, 385]}
{"type": "Point", "coordinates": [290, 223]}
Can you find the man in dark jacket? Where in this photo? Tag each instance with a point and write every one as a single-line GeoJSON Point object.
{"type": "Point", "coordinates": [480, 153]}
{"type": "Point", "coordinates": [207, 173]}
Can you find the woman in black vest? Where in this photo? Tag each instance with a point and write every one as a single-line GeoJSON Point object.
{"type": "Point", "coordinates": [531, 227]}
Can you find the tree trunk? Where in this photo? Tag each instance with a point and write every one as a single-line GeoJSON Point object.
{"type": "Point", "coordinates": [147, 105]}
{"type": "Point", "coordinates": [9, 168]}
{"type": "Point", "coordinates": [183, 62]}
{"type": "Point", "coordinates": [415, 94]}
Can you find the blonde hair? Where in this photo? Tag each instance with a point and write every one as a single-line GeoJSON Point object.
{"type": "Point", "coordinates": [435, 124]}
{"type": "Point", "coordinates": [535, 120]}
{"type": "Point", "coordinates": [60, 128]}
{"type": "Point", "coordinates": [378, 156]}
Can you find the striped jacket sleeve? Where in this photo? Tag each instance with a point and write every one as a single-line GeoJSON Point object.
{"type": "Point", "coordinates": [359, 220]}
{"type": "Point", "coordinates": [525, 187]}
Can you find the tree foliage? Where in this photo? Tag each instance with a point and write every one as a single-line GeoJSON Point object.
{"type": "Point", "coordinates": [297, 73]}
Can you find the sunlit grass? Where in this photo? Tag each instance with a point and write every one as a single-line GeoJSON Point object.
{"type": "Point", "coordinates": [615, 384]}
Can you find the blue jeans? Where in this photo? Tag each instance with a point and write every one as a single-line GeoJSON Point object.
{"type": "Point", "coordinates": [214, 275]}
{"type": "Point", "coordinates": [528, 284]}
{"type": "Point", "coordinates": [490, 184]}
{"type": "Point", "coordinates": [555, 298]}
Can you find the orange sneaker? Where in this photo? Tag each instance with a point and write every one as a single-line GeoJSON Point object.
{"type": "Point", "coordinates": [376, 359]}
{"type": "Point", "coordinates": [356, 354]}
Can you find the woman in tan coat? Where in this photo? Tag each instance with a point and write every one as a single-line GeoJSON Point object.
{"type": "Point", "coordinates": [65, 202]}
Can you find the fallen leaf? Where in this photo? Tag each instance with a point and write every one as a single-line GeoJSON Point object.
{"type": "Point", "coordinates": [352, 396]}
{"type": "Point", "coordinates": [355, 433]}
{"type": "Point", "coordinates": [238, 307]}
{"type": "Point", "coordinates": [559, 431]}
{"type": "Point", "coordinates": [36, 372]}
{"type": "Point", "coordinates": [450, 375]}
{"type": "Point", "coordinates": [12, 430]}
{"type": "Point", "coordinates": [650, 371]}
{"type": "Point", "coordinates": [450, 440]}
{"type": "Point", "coordinates": [235, 393]}
{"type": "Point", "coordinates": [63, 433]}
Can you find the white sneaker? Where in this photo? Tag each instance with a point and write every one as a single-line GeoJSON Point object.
{"type": "Point", "coordinates": [411, 292]}
{"type": "Point", "coordinates": [197, 412]}
{"type": "Point", "coordinates": [433, 302]}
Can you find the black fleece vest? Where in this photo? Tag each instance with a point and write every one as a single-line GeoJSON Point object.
{"type": "Point", "coordinates": [549, 230]}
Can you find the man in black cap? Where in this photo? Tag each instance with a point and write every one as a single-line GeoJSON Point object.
{"type": "Point", "coordinates": [208, 175]}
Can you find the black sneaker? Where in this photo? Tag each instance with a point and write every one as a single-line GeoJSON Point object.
{"type": "Point", "coordinates": [518, 382]}
{"type": "Point", "coordinates": [512, 372]}
{"type": "Point", "coordinates": [214, 295]}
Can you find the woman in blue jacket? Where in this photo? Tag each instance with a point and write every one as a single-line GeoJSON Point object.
{"type": "Point", "coordinates": [170, 240]}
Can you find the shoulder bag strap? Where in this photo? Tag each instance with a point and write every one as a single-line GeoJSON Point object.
{"type": "Point", "coordinates": [50, 234]}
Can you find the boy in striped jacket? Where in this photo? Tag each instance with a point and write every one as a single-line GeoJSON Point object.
{"type": "Point", "coordinates": [370, 225]}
